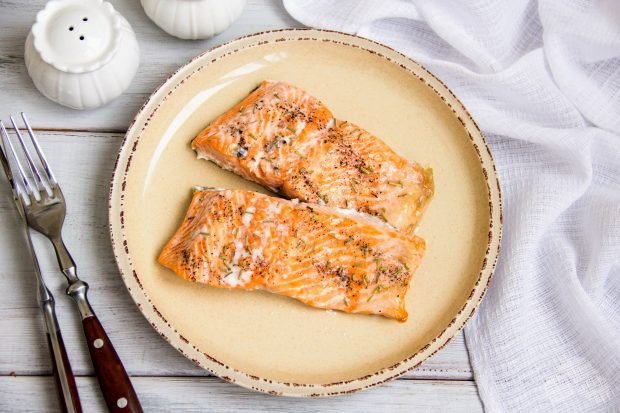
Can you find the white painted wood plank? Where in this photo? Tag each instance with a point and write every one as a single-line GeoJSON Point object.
{"type": "Point", "coordinates": [143, 352]}
{"type": "Point", "coordinates": [161, 55]}
{"type": "Point", "coordinates": [83, 163]}
{"type": "Point", "coordinates": [36, 394]}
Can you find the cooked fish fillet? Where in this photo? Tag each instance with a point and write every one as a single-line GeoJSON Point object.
{"type": "Point", "coordinates": [255, 138]}
{"type": "Point", "coordinates": [322, 256]}
{"type": "Point", "coordinates": [287, 140]}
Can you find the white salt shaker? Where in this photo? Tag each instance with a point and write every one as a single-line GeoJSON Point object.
{"type": "Point", "coordinates": [81, 53]}
{"type": "Point", "coordinates": [193, 19]}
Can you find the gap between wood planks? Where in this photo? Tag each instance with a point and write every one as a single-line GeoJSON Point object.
{"type": "Point", "coordinates": [108, 133]}
{"type": "Point", "coordinates": [406, 376]}
{"type": "Point", "coordinates": [210, 376]}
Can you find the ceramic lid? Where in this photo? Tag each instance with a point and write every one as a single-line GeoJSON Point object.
{"type": "Point", "coordinates": [77, 36]}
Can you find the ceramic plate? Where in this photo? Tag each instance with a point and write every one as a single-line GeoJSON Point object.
{"type": "Point", "coordinates": [275, 344]}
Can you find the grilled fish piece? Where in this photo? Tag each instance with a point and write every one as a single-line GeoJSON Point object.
{"type": "Point", "coordinates": [287, 140]}
{"type": "Point", "coordinates": [325, 257]}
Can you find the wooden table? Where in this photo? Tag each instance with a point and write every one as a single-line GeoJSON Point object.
{"type": "Point", "coordinates": [81, 147]}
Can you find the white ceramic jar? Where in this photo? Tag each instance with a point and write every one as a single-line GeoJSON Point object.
{"type": "Point", "coordinates": [81, 53]}
{"type": "Point", "coordinates": [193, 19]}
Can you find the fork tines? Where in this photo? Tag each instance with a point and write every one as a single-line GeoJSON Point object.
{"type": "Point", "coordinates": [34, 180]}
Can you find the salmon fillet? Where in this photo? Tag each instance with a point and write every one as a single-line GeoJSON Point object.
{"type": "Point", "coordinates": [287, 140]}
{"type": "Point", "coordinates": [325, 257]}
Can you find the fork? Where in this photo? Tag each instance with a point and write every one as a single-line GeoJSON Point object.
{"type": "Point", "coordinates": [45, 210]}
{"type": "Point", "coordinates": [68, 396]}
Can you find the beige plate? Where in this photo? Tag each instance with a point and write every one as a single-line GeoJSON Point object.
{"type": "Point", "coordinates": [272, 343]}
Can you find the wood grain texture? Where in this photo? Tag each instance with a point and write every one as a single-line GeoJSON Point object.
{"type": "Point", "coordinates": [83, 164]}
{"type": "Point", "coordinates": [160, 55]}
{"type": "Point", "coordinates": [115, 384]}
{"type": "Point", "coordinates": [180, 394]}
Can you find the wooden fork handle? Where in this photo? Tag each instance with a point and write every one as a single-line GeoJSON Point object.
{"type": "Point", "coordinates": [115, 384]}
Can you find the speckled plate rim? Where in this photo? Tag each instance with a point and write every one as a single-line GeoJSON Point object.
{"type": "Point", "coordinates": [219, 368]}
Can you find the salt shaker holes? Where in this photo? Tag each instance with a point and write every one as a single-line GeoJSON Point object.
{"type": "Point", "coordinates": [81, 53]}
{"type": "Point", "coordinates": [85, 19]}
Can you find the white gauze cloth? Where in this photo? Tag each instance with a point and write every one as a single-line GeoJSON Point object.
{"type": "Point", "coordinates": [542, 79]}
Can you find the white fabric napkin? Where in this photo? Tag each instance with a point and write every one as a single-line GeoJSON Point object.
{"type": "Point", "coordinates": [542, 79]}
